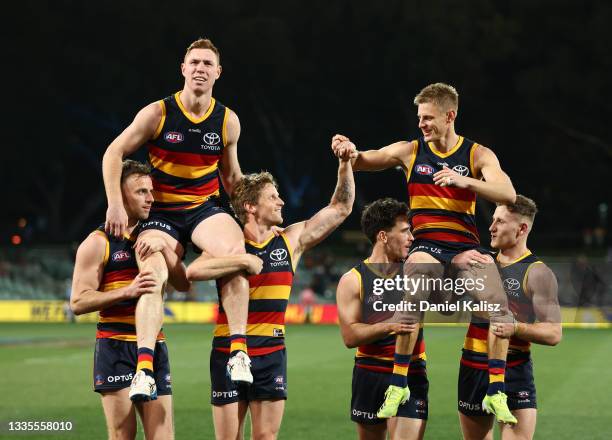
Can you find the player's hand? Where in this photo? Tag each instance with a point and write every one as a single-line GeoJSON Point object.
{"type": "Point", "coordinates": [346, 151]}
{"type": "Point", "coordinates": [116, 220]}
{"type": "Point", "coordinates": [448, 177]}
{"type": "Point", "coordinates": [503, 330]}
{"type": "Point", "coordinates": [254, 264]}
{"type": "Point", "coordinates": [147, 245]}
{"type": "Point", "coordinates": [471, 260]}
{"type": "Point", "coordinates": [143, 284]}
{"type": "Point", "coordinates": [400, 328]}
{"type": "Point", "coordinates": [336, 141]}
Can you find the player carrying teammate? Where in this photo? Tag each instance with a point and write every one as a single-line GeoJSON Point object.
{"type": "Point", "coordinates": [385, 223]}
{"type": "Point", "coordinates": [106, 278]}
{"type": "Point", "coordinates": [444, 172]}
{"type": "Point", "coordinates": [192, 140]}
{"type": "Point", "coordinates": [271, 262]}
{"type": "Point", "coordinates": [532, 294]}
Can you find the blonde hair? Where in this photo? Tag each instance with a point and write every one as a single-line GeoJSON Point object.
{"type": "Point", "coordinates": [440, 94]}
{"type": "Point", "coordinates": [204, 43]}
{"type": "Point", "coordinates": [524, 207]}
{"type": "Point", "coordinates": [248, 190]}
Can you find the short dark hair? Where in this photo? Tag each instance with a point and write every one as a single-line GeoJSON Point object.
{"type": "Point", "coordinates": [523, 206]}
{"type": "Point", "coordinates": [134, 167]}
{"type": "Point", "coordinates": [381, 215]}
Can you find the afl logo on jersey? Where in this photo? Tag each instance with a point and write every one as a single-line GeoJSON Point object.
{"type": "Point", "coordinates": [211, 138]}
{"type": "Point", "coordinates": [121, 256]}
{"type": "Point", "coordinates": [461, 169]}
{"type": "Point", "coordinates": [278, 254]}
{"type": "Point", "coordinates": [174, 137]}
{"type": "Point", "coordinates": [424, 169]}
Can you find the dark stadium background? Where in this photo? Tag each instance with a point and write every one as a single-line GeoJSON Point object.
{"type": "Point", "coordinates": [533, 78]}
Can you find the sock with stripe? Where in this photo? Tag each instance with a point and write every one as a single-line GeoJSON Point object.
{"type": "Point", "coordinates": [145, 361]}
{"type": "Point", "coordinates": [497, 372]}
{"type": "Point", "coordinates": [399, 377]}
{"type": "Point", "coordinates": [237, 343]}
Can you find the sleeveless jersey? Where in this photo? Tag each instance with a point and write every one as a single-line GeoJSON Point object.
{"type": "Point", "coordinates": [442, 213]}
{"type": "Point", "coordinates": [378, 355]}
{"type": "Point", "coordinates": [268, 298]}
{"type": "Point", "coordinates": [514, 278]}
{"type": "Point", "coordinates": [184, 154]}
{"type": "Point", "coordinates": [120, 269]}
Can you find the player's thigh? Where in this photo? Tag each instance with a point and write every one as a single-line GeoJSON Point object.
{"type": "Point", "coordinates": [172, 242]}
{"type": "Point", "coordinates": [476, 427]}
{"type": "Point", "coordinates": [157, 418]}
{"type": "Point", "coordinates": [524, 429]}
{"type": "Point", "coordinates": [120, 414]}
{"type": "Point", "coordinates": [371, 432]}
{"type": "Point", "coordinates": [266, 417]}
{"type": "Point", "coordinates": [406, 428]}
{"type": "Point", "coordinates": [219, 235]}
{"type": "Point", "coordinates": [229, 420]}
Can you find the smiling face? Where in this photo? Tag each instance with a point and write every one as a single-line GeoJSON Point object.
{"type": "Point", "coordinates": [397, 240]}
{"type": "Point", "coordinates": [201, 69]}
{"type": "Point", "coordinates": [268, 209]}
{"type": "Point", "coordinates": [137, 191]}
{"type": "Point", "coordinates": [434, 122]}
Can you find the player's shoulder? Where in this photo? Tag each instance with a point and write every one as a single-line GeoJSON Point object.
{"type": "Point", "coordinates": [94, 247]}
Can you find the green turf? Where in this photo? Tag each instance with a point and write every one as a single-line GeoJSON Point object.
{"type": "Point", "coordinates": [45, 374]}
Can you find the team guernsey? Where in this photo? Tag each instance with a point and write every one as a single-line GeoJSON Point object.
{"type": "Point", "coordinates": [442, 214]}
{"type": "Point", "coordinates": [374, 361]}
{"type": "Point", "coordinates": [116, 351]}
{"type": "Point", "coordinates": [268, 298]}
{"type": "Point", "coordinates": [473, 376]}
{"type": "Point", "coordinates": [184, 154]}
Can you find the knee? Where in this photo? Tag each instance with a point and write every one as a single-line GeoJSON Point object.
{"type": "Point", "coordinates": [121, 433]}
{"type": "Point", "coordinates": [268, 434]}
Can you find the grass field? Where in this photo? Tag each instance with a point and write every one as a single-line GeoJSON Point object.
{"type": "Point", "coordinates": [45, 374]}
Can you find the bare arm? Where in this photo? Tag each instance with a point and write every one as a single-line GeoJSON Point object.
{"type": "Point", "coordinates": [229, 166]}
{"type": "Point", "coordinates": [354, 332]}
{"type": "Point", "coordinates": [88, 270]}
{"type": "Point", "coordinates": [393, 155]}
{"type": "Point", "coordinates": [305, 235]}
{"type": "Point", "coordinates": [542, 286]}
{"type": "Point", "coordinates": [137, 133]}
{"type": "Point", "coordinates": [206, 267]}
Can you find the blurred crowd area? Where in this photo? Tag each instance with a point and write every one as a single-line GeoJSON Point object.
{"type": "Point", "coordinates": [46, 273]}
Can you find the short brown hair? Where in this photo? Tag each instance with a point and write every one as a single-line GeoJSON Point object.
{"type": "Point", "coordinates": [248, 190]}
{"type": "Point", "coordinates": [443, 95]}
{"type": "Point", "coordinates": [204, 43]}
{"type": "Point", "coordinates": [381, 215]}
{"type": "Point", "coordinates": [130, 167]}
{"type": "Point", "coordinates": [523, 206]}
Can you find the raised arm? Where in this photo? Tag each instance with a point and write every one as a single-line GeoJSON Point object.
{"type": "Point", "coordinates": [354, 332]}
{"type": "Point", "coordinates": [88, 270]}
{"type": "Point", "coordinates": [229, 165]}
{"type": "Point", "coordinates": [144, 127]}
{"type": "Point", "coordinates": [394, 155]}
{"type": "Point", "coordinates": [496, 186]}
{"type": "Point", "coordinates": [304, 235]}
{"type": "Point", "coordinates": [542, 287]}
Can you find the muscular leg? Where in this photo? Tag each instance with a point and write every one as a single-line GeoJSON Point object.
{"type": "Point", "coordinates": [157, 418]}
{"type": "Point", "coordinates": [149, 309]}
{"type": "Point", "coordinates": [401, 428]}
{"type": "Point", "coordinates": [524, 429]}
{"type": "Point", "coordinates": [476, 427]}
{"type": "Point", "coordinates": [229, 420]}
{"type": "Point", "coordinates": [493, 294]}
{"type": "Point", "coordinates": [372, 432]}
{"type": "Point", "coordinates": [120, 415]}
{"type": "Point", "coordinates": [220, 236]}
{"type": "Point", "coordinates": [266, 417]}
